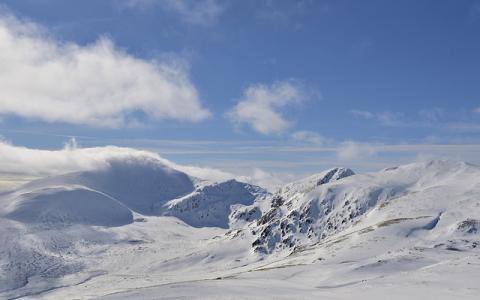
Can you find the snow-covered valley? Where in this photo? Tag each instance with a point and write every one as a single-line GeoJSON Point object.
{"type": "Point", "coordinates": [138, 229]}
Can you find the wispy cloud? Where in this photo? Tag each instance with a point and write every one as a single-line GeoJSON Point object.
{"type": "Point", "coordinates": [432, 115]}
{"type": "Point", "coordinates": [474, 14]}
{"type": "Point", "coordinates": [463, 127]}
{"type": "Point", "coordinates": [350, 150]}
{"type": "Point", "coordinates": [363, 114]}
{"type": "Point", "coordinates": [261, 106]}
{"type": "Point", "coordinates": [279, 164]}
{"type": "Point", "coordinates": [195, 12]}
{"type": "Point", "coordinates": [385, 118]}
{"type": "Point", "coordinates": [432, 118]}
{"type": "Point", "coordinates": [97, 85]}
{"type": "Point", "coordinates": [270, 180]}
{"type": "Point", "coordinates": [309, 137]}
{"type": "Point", "coordinates": [289, 13]}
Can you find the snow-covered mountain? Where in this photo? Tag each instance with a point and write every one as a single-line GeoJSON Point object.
{"type": "Point", "coordinates": [110, 196]}
{"type": "Point", "coordinates": [139, 183]}
{"type": "Point", "coordinates": [211, 204]}
{"type": "Point", "coordinates": [431, 196]}
{"type": "Point", "coordinates": [138, 229]}
{"type": "Point", "coordinates": [292, 216]}
{"type": "Point", "coordinates": [46, 222]}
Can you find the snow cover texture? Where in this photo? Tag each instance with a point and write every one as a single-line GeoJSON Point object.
{"type": "Point", "coordinates": [47, 225]}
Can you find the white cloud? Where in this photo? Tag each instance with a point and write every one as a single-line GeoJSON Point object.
{"type": "Point", "coordinates": [385, 118]}
{"type": "Point", "coordinates": [261, 104]}
{"type": "Point", "coordinates": [23, 164]}
{"type": "Point", "coordinates": [308, 137]}
{"type": "Point", "coordinates": [20, 164]}
{"type": "Point", "coordinates": [206, 173]}
{"type": "Point", "coordinates": [350, 150]}
{"type": "Point", "coordinates": [196, 12]}
{"type": "Point", "coordinates": [27, 162]}
{"type": "Point", "coordinates": [463, 127]}
{"type": "Point", "coordinates": [391, 119]}
{"type": "Point", "coordinates": [363, 114]}
{"type": "Point", "coordinates": [270, 181]}
{"type": "Point", "coordinates": [96, 84]}
{"type": "Point", "coordinates": [432, 115]}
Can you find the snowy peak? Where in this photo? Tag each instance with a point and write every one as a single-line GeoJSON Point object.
{"type": "Point", "coordinates": [306, 212]}
{"type": "Point", "coordinates": [309, 183]}
{"type": "Point", "coordinates": [290, 215]}
{"type": "Point", "coordinates": [109, 196]}
{"type": "Point", "coordinates": [138, 183]}
{"type": "Point", "coordinates": [335, 174]}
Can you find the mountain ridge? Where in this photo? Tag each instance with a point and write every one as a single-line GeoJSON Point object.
{"type": "Point", "coordinates": [333, 230]}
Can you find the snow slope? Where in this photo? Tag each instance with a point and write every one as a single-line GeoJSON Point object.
{"type": "Point", "coordinates": [211, 205]}
{"type": "Point", "coordinates": [48, 224]}
{"type": "Point", "coordinates": [303, 214]}
{"type": "Point", "coordinates": [139, 182]}
{"type": "Point", "coordinates": [66, 205]}
{"type": "Point", "coordinates": [112, 195]}
{"type": "Point", "coordinates": [409, 231]}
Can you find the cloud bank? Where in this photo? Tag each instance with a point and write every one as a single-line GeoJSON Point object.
{"type": "Point", "coordinates": [20, 164]}
{"type": "Point", "coordinates": [22, 161]}
{"type": "Point", "coordinates": [260, 106]}
{"type": "Point", "coordinates": [98, 84]}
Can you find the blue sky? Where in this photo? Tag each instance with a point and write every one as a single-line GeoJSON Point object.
{"type": "Point", "coordinates": [284, 86]}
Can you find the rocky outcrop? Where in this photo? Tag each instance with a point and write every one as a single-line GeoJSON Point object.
{"type": "Point", "coordinates": [291, 220]}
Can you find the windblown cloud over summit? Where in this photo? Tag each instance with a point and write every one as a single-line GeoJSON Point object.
{"type": "Point", "coordinates": [24, 161]}
{"type": "Point", "coordinates": [21, 164]}
{"type": "Point", "coordinates": [97, 84]}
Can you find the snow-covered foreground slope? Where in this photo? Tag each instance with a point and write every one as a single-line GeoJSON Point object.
{"type": "Point", "coordinates": [410, 231]}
